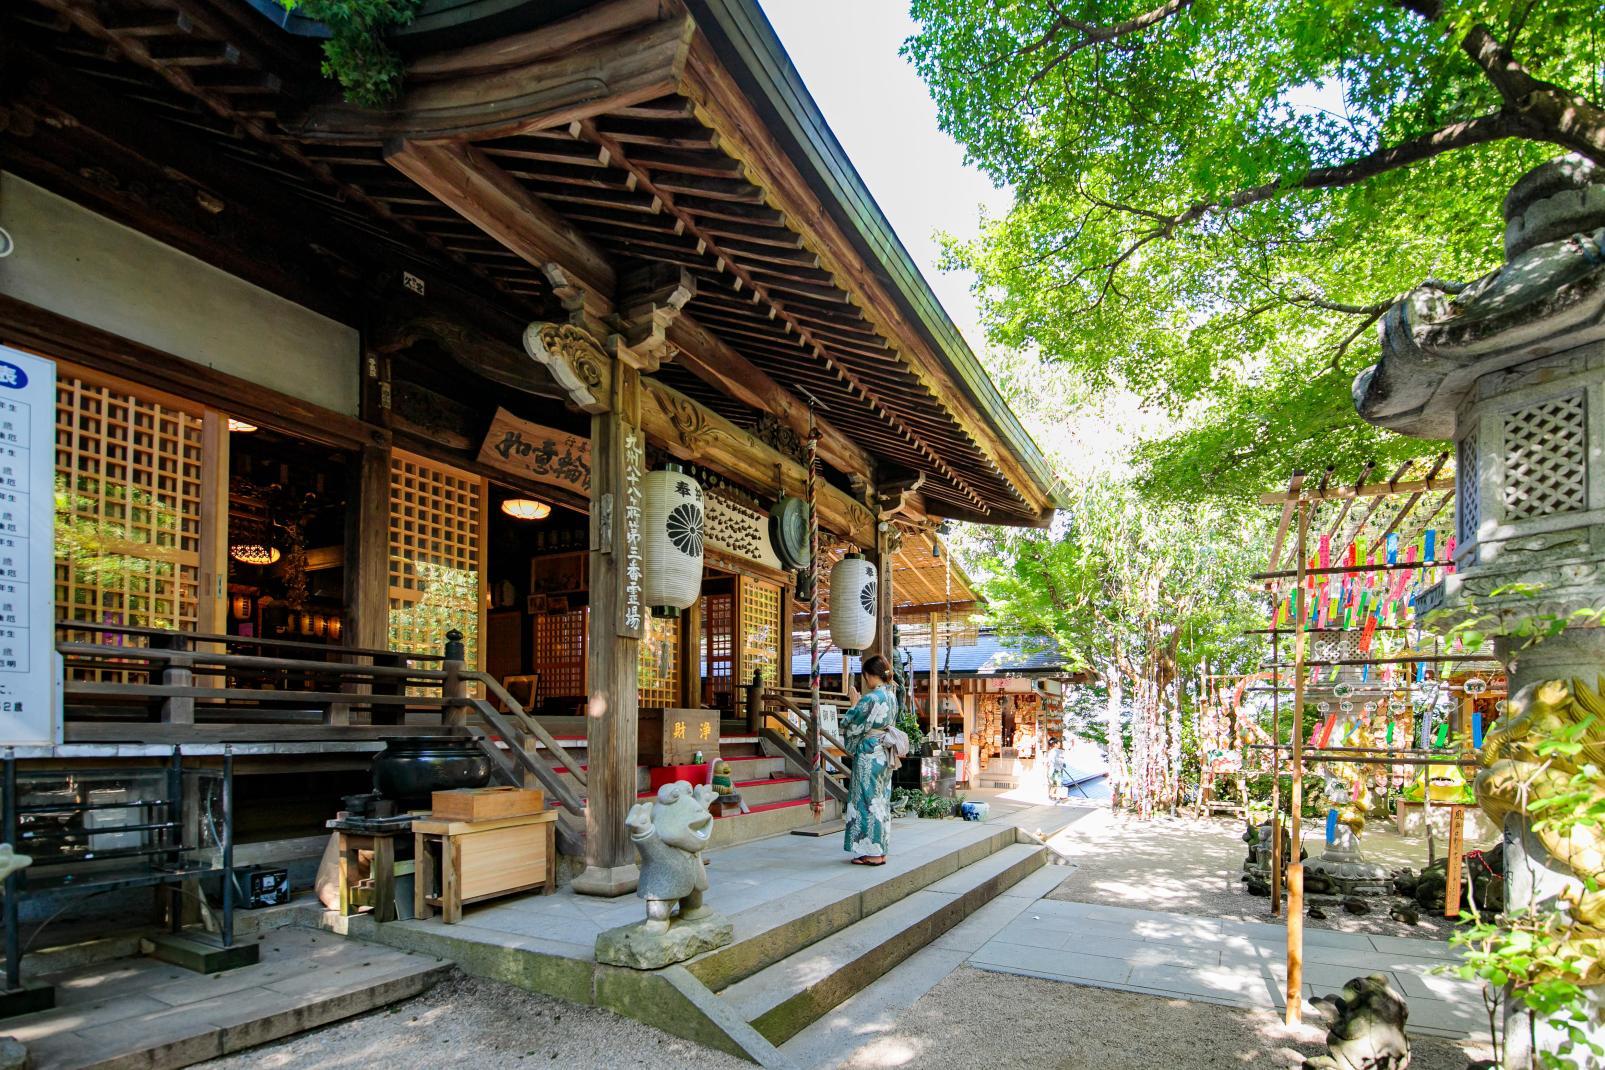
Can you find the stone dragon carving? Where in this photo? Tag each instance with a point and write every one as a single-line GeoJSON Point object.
{"type": "Point", "coordinates": [1516, 772]}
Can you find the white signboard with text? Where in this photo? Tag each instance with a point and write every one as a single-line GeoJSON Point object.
{"type": "Point", "coordinates": [29, 696]}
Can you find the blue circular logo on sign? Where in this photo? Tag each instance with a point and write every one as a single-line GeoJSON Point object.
{"type": "Point", "coordinates": [12, 376]}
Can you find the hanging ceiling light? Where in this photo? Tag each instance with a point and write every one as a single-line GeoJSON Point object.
{"type": "Point", "coordinates": [526, 509]}
{"type": "Point", "coordinates": [254, 553]}
{"type": "Point", "coordinates": [236, 424]}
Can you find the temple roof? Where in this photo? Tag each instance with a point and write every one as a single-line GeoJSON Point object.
{"type": "Point", "coordinates": [602, 139]}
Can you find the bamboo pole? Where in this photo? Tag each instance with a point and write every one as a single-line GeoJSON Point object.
{"type": "Point", "coordinates": [1295, 867]}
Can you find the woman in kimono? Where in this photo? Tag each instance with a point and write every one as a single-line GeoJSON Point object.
{"type": "Point", "coordinates": [869, 799]}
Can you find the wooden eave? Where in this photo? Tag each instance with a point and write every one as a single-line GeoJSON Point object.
{"type": "Point", "coordinates": [634, 145]}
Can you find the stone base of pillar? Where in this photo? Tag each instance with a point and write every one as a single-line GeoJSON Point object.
{"type": "Point", "coordinates": [607, 881]}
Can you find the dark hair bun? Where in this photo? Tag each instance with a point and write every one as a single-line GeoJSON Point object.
{"type": "Point", "coordinates": [877, 665]}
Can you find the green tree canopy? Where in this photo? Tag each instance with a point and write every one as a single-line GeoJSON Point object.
{"type": "Point", "coordinates": [1216, 199]}
{"type": "Point", "coordinates": [1140, 595]}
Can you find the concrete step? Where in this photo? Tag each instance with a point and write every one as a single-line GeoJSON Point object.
{"type": "Point", "coordinates": [143, 1013]}
{"type": "Point", "coordinates": [782, 999]}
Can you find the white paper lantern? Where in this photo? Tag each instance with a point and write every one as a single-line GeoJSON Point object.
{"type": "Point", "coordinates": [671, 541]}
{"type": "Point", "coordinates": [853, 599]}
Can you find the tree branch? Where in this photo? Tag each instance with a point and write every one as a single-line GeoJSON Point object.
{"type": "Point", "coordinates": [1091, 34]}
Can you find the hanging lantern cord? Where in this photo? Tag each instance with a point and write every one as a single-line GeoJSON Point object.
{"type": "Point", "coordinates": [816, 787]}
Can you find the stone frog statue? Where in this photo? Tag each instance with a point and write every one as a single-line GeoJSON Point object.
{"type": "Point", "coordinates": [1368, 1032]}
{"type": "Point", "coordinates": [670, 832]}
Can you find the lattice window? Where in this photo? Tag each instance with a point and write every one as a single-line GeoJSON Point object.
{"type": "Point", "coordinates": [659, 664]}
{"type": "Point", "coordinates": [718, 649]}
{"type": "Point", "coordinates": [1546, 466]}
{"type": "Point", "coordinates": [434, 556]}
{"type": "Point", "coordinates": [1468, 488]}
{"type": "Point", "coordinates": [760, 630]}
{"type": "Point", "coordinates": [559, 654]}
{"type": "Point", "coordinates": [128, 508]}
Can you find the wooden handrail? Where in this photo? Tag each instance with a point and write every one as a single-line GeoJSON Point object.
{"type": "Point", "coordinates": [237, 640]}
{"type": "Point", "coordinates": [202, 661]}
{"type": "Point", "coordinates": [95, 688]}
{"type": "Point", "coordinates": [808, 715]}
{"type": "Point", "coordinates": [530, 724]}
{"type": "Point", "coordinates": [543, 772]}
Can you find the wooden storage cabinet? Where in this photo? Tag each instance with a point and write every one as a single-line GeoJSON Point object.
{"type": "Point", "coordinates": [461, 862]}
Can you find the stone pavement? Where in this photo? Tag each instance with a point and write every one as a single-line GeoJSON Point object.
{"type": "Point", "coordinates": [138, 1012]}
{"type": "Point", "coordinates": [1224, 961]}
{"type": "Point", "coordinates": [745, 881]}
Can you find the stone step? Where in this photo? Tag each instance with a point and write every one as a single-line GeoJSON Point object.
{"type": "Point", "coordinates": [782, 999]}
{"type": "Point", "coordinates": [768, 819]}
{"type": "Point", "coordinates": [761, 792]}
{"type": "Point", "coordinates": [145, 1013]}
{"type": "Point", "coordinates": [765, 937]}
{"type": "Point", "coordinates": [742, 767]}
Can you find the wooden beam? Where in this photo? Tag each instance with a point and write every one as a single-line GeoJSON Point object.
{"type": "Point", "coordinates": [520, 49]}
{"type": "Point", "coordinates": [546, 92]}
{"type": "Point", "coordinates": [470, 183]}
{"type": "Point", "coordinates": [722, 105]}
{"type": "Point", "coordinates": [1369, 490]}
{"type": "Point", "coordinates": [704, 355]}
{"type": "Point", "coordinates": [692, 431]}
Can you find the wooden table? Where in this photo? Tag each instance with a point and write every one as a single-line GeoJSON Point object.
{"type": "Point", "coordinates": [381, 872]}
{"type": "Point", "coordinates": [480, 860]}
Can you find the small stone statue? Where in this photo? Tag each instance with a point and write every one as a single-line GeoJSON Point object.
{"type": "Point", "coordinates": [669, 834]}
{"type": "Point", "coordinates": [1368, 1033]}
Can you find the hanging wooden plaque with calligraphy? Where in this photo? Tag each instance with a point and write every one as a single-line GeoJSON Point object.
{"type": "Point", "coordinates": [543, 454]}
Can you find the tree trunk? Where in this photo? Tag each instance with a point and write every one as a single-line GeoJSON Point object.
{"type": "Point", "coordinates": [1119, 768]}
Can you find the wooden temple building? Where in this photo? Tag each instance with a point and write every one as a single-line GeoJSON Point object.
{"type": "Point", "coordinates": [336, 381]}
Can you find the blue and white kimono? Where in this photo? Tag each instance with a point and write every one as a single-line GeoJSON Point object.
{"type": "Point", "coordinates": [869, 797]}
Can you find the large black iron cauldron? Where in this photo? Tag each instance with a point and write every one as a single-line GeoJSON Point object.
{"type": "Point", "coordinates": [409, 770]}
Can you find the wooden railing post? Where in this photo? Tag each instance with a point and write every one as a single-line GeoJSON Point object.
{"type": "Point", "coordinates": [177, 672]}
{"type": "Point", "coordinates": [755, 703]}
{"type": "Point", "coordinates": [455, 688]}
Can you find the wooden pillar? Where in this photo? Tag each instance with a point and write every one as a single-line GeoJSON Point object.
{"type": "Point", "coordinates": [935, 681]}
{"type": "Point", "coordinates": [367, 551]}
{"type": "Point", "coordinates": [885, 550]}
{"type": "Point", "coordinates": [691, 657]}
{"type": "Point", "coordinates": [607, 384]}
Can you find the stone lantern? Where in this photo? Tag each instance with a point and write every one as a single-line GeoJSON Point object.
{"type": "Point", "coordinates": [1511, 367]}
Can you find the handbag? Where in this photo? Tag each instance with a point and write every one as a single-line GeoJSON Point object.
{"type": "Point", "coordinates": [895, 740]}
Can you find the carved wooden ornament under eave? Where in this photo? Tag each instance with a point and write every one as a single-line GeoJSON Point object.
{"type": "Point", "coordinates": [578, 363]}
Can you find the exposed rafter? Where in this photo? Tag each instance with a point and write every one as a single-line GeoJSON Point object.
{"type": "Point", "coordinates": [647, 180]}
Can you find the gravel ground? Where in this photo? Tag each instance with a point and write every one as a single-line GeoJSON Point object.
{"type": "Point", "coordinates": [1193, 867]}
{"type": "Point", "coordinates": [469, 1024]}
{"type": "Point", "coordinates": [1071, 1027]}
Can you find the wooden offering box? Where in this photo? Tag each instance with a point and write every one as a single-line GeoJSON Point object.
{"type": "Point", "coordinates": [461, 862]}
{"type": "Point", "coordinates": [486, 804]}
{"type": "Point", "coordinates": [673, 737]}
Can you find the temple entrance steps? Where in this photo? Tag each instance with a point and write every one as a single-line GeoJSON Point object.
{"type": "Point", "coordinates": [776, 796]}
{"type": "Point", "coordinates": [781, 979]}
{"type": "Point", "coordinates": [810, 930]}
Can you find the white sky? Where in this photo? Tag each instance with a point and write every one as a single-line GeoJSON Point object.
{"type": "Point", "coordinates": [880, 110]}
